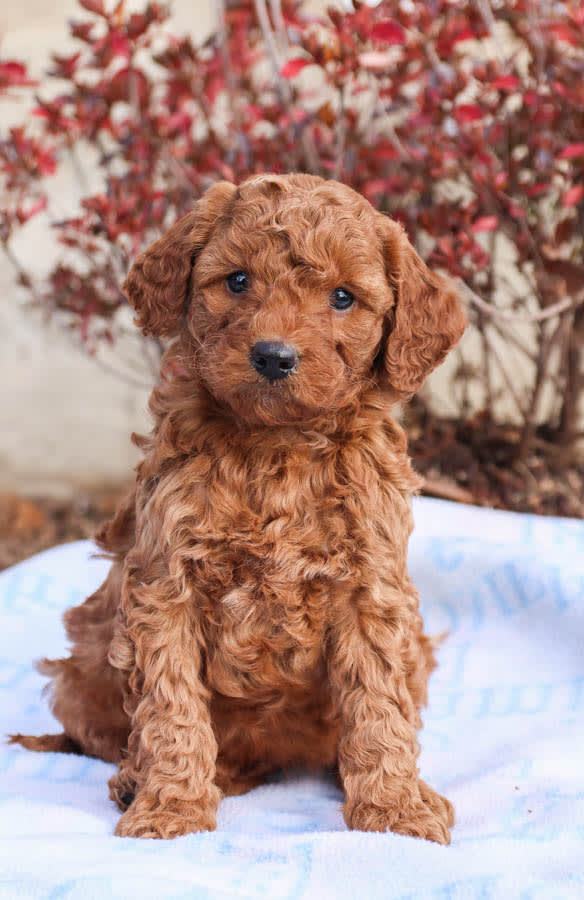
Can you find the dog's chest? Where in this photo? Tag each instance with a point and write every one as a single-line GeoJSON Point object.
{"type": "Point", "coordinates": [276, 526]}
{"type": "Point", "coordinates": [266, 640]}
{"type": "Point", "coordinates": [269, 560]}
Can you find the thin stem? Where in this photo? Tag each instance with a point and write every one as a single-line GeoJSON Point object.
{"type": "Point", "coordinates": [278, 17]}
{"type": "Point", "coordinates": [229, 76]}
{"type": "Point", "coordinates": [23, 276]}
{"type": "Point", "coordinates": [486, 13]}
{"type": "Point", "coordinates": [119, 373]}
{"type": "Point", "coordinates": [341, 137]}
{"type": "Point", "coordinates": [541, 316]}
{"type": "Point", "coordinates": [284, 90]}
{"type": "Point", "coordinates": [508, 379]}
{"type": "Point", "coordinates": [545, 350]}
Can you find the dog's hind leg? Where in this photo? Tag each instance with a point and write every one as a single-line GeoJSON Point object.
{"type": "Point", "coordinates": [231, 783]}
{"type": "Point", "coordinates": [86, 691]}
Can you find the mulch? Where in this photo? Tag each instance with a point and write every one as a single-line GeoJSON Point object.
{"type": "Point", "coordinates": [471, 462]}
{"type": "Point", "coordinates": [31, 524]}
{"type": "Point", "coordinates": [477, 461]}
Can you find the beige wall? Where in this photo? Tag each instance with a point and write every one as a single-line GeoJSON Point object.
{"type": "Point", "coordinates": [63, 420]}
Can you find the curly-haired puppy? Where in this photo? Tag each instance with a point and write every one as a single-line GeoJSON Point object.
{"type": "Point", "coordinates": [258, 614]}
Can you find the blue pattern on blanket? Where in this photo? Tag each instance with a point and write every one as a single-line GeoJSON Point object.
{"type": "Point", "coordinates": [503, 738]}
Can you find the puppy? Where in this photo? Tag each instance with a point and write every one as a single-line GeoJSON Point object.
{"type": "Point", "coordinates": [258, 614]}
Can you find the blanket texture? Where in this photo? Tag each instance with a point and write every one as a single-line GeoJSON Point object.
{"type": "Point", "coordinates": [503, 739]}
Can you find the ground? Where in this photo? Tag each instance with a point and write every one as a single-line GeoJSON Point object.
{"type": "Point", "coordinates": [476, 461]}
{"type": "Point", "coordinates": [470, 462]}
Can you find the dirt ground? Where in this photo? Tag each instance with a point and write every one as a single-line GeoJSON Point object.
{"type": "Point", "coordinates": [472, 462]}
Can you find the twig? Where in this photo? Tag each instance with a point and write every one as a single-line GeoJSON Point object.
{"type": "Point", "coordinates": [277, 16]}
{"type": "Point", "coordinates": [340, 136]}
{"type": "Point", "coordinates": [486, 13]}
{"type": "Point", "coordinates": [508, 380]}
{"type": "Point", "coordinates": [284, 90]}
{"type": "Point", "coordinates": [24, 278]}
{"type": "Point", "coordinates": [229, 76]}
{"type": "Point", "coordinates": [513, 339]}
{"type": "Point", "coordinates": [282, 85]}
{"type": "Point", "coordinates": [119, 373]}
{"type": "Point", "coordinates": [447, 490]}
{"type": "Point", "coordinates": [486, 362]}
{"type": "Point", "coordinates": [77, 167]}
{"type": "Point", "coordinates": [548, 313]}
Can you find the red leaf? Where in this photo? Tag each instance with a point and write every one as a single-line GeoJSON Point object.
{"type": "Point", "coordinates": [485, 223]}
{"type": "Point", "coordinates": [564, 33]}
{"type": "Point", "coordinates": [465, 34]}
{"type": "Point", "coordinates": [517, 211]}
{"type": "Point", "coordinates": [82, 31]}
{"type": "Point", "coordinates": [388, 32]}
{"type": "Point", "coordinates": [375, 187]}
{"type": "Point", "coordinates": [385, 151]}
{"type": "Point", "coordinates": [535, 190]}
{"type": "Point", "coordinates": [506, 83]}
{"type": "Point", "coordinates": [468, 112]}
{"type": "Point", "coordinates": [13, 73]}
{"type": "Point", "coordinates": [571, 151]}
{"type": "Point", "coordinates": [573, 196]}
{"type": "Point", "coordinates": [293, 67]}
{"type": "Point", "coordinates": [119, 44]}
{"type": "Point", "coordinates": [46, 162]}
{"type": "Point", "coordinates": [37, 207]}
{"type": "Point", "coordinates": [65, 66]}
{"type": "Point", "coordinates": [13, 70]}
{"type": "Point", "coordinates": [127, 84]}
{"type": "Point", "coordinates": [94, 6]}
{"type": "Point", "coordinates": [446, 246]}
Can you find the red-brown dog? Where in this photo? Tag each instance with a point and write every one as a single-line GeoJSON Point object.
{"type": "Point", "coordinates": [258, 613]}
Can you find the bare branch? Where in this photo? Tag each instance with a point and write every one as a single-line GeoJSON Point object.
{"type": "Point", "coordinates": [510, 383]}
{"type": "Point", "coordinates": [23, 276]}
{"type": "Point", "coordinates": [568, 303]}
{"type": "Point", "coordinates": [486, 13]}
{"type": "Point", "coordinates": [278, 17]}
{"type": "Point", "coordinates": [284, 90]}
{"type": "Point", "coordinates": [545, 351]}
{"type": "Point", "coordinates": [229, 78]}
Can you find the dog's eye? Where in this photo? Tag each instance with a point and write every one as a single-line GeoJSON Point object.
{"type": "Point", "coordinates": [341, 298]}
{"type": "Point", "coordinates": [238, 282]}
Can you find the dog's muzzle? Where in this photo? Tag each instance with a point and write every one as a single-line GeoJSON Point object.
{"type": "Point", "coordinates": [274, 359]}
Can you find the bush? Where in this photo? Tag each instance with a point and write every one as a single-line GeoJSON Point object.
{"type": "Point", "coordinates": [461, 119]}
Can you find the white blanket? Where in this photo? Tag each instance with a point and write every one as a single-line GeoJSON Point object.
{"type": "Point", "coordinates": [503, 739]}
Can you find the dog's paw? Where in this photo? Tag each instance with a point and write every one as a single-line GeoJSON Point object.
{"type": "Point", "coordinates": [163, 823]}
{"type": "Point", "coordinates": [428, 815]}
{"type": "Point", "coordinates": [436, 802]}
{"type": "Point", "coordinates": [122, 790]}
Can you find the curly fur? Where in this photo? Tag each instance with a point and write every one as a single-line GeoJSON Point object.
{"type": "Point", "coordinates": [258, 613]}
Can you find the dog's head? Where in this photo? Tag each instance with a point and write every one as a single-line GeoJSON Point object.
{"type": "Point", "coordinates": [297, 295]}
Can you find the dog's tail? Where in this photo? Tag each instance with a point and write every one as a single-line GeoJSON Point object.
{"type": "Point", "coordinates": [46, 743]}
{"type": "Point", "coordinates": [438, 639]}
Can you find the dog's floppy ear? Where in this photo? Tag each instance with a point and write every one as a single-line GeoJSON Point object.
{"type": "Point", "coordinates": [157, 284]}
{"type": "Point", "coordinates": [427, 319]}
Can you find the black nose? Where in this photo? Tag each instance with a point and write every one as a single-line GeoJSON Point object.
{"type": "Point", "coordinates": [273, 359]}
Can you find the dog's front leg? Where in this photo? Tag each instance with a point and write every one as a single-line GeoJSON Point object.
{"type": "Point", "coordinates": [166, 780]}
{"type": "Point", "coordinates": [378, 748]}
